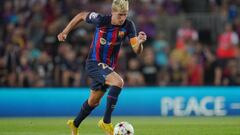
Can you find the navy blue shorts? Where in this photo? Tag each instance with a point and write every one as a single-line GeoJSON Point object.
{"type": "Point", "coordinates": [98, 72]}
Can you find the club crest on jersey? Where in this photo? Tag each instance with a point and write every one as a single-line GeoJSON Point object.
{"type": "Point", "coordinates": [103, 41]}
{"type": "Point", "coordinates": [121, 34]}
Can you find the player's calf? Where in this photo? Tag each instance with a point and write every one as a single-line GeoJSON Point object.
{"type": "Point", "coordinates": [111, 102]}
{"type": "Point", "coordinates": [85, 110]}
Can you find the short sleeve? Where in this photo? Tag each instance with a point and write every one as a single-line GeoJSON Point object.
{"type": "Point", "coordinates": [94, 18]}
{"type": "Point", "coordinates": [131, 30]}
{"type": "Point", "coordinates": [132, 34]}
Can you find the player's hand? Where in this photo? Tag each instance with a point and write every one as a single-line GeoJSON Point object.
{"type": "Point", "coordinates": [62, 36]}
{"type": "Point", "coordinates": [142, 37]}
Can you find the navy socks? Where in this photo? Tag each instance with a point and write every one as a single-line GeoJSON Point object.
{"type": "Point", "coordinates": [111, 102]}
{"type": "Point", "coordinates": [84, 112]}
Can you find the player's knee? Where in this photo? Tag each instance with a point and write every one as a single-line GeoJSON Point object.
{"type": "Point", "coordinates": [119, 82]}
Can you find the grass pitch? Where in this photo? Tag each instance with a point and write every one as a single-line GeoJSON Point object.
{"type": "Point", "coordinates": [142, 126]}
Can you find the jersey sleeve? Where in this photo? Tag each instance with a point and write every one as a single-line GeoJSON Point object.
{"type": "Point", "coordinates": [94, 18]}
{"type": "Point", "coordinates": [132, 34]}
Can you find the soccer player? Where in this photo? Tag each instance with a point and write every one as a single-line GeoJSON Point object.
{"type": "Point", "coordinates": [110, 31]}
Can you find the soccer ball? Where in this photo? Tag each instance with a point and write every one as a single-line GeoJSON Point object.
{"type": "Point", "coordinates": [123, 128]}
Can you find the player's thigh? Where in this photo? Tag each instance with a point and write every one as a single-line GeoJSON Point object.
{"type": "Point", "coordinates": [98, 71]}
{"type": "Point", "coordinates": [114, 79]}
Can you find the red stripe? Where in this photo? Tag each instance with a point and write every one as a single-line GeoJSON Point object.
{"type": "Point", "coordinates": [100, 35]}
{"type": "Point", "coordinates": [110, 51]}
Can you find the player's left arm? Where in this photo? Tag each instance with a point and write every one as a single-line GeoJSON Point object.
{"type": "Point", "coordinates": [137, 42]}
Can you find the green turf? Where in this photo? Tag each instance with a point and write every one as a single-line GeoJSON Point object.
{"type": "Point", "coordinates": [142, 126]}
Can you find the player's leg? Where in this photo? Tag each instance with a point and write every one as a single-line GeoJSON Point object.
{"type": "Point", "coordinates": [96, 72]}
{"type": "Point", "coordinates": [116, 83]}
{"type": "Point", "coordinates": [87, 107]}
{"type": "Point", "coordinates": [104, 75]}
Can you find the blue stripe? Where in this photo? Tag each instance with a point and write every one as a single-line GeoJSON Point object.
{"type": "Point", "coordinates": [106, 47]}
{"type": "Point", "coordinates": [93, 55]}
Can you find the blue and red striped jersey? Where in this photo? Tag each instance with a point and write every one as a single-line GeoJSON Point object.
{"type": "Point", "coordinates": [108, 38]}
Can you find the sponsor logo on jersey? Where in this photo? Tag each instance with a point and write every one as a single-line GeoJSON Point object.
{"type": "Point", "coordinates": [121, 34]}
{"type": "Point", "coordinates": [103, 31]}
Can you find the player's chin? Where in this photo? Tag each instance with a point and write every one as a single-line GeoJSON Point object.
{"type": "Point", "coordinates": [121, 23]}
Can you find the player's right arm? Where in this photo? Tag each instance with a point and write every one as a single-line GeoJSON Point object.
{"type": "Point", "coordinates": [72, 24]}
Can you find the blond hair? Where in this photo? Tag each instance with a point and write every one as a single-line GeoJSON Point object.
{"type": "Point", "coordinates": [120, 5]}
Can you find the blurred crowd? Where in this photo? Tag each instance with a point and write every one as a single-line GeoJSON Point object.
{"type": "Point", "coordinates": [31, 56]}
